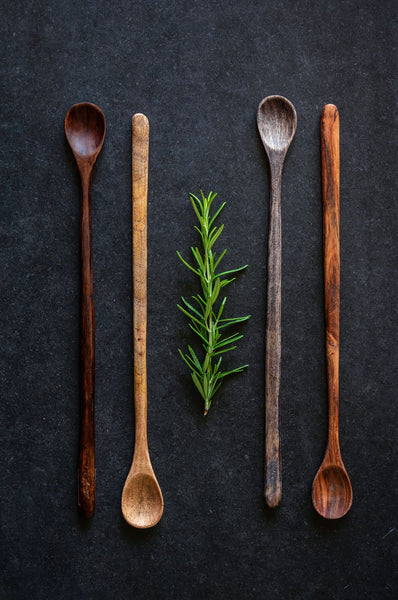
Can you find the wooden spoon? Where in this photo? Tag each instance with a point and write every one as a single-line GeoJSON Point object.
{"type": "Point", "coordinates": [331, 489]}
{"type": "Point", "coordinates": [142, 501]}
{"type": "Point", "coordinates": [85, 132]}
{"type": "Point", "coordinates": [276, 121]}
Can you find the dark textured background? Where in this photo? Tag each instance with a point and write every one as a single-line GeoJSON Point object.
{"type": "Point", "coordinates": [198, 71]}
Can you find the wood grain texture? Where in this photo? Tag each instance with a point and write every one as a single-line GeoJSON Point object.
{"type": "Point", "coordinates": [331, 489]}
{"type": "Point", "coordinates": [142, 500]}
{"type": "Point", "coordinates": [276, 121]}
{"type": "Point", "coordinates": [330, 155]}
{"type": "Point", "coordinates": [85, 131]}
{"type": "Point", "coordinates": [273, 344]}
{"type": "Point", "coordinates": [86, 493]}
{"type": "Point", "coordinates": [140, 142]}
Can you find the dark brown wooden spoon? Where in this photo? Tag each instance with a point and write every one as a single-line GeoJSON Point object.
{"type": "Point", "coordinates": [277, 121]}
{"type": "Point", "coordinates": [142, 500]}
{"type": "Point", "coordinates": [331, 489]}
{"type": "Point", "coordinates": [85, 132]}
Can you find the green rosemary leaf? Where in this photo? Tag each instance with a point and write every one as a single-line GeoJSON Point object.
{"type": "Point", "coordinates": [208, 308]}
{"type": "Point", "coordinates": [207, 202]}
{"type": "Point", "coordinates": [218, 365]}
{"type": "Point", "coordinates": [216, 387]}
{"type": "Point", "coordinates": [225, 282]}
{"type": "Point", "coordinates": [191, 307]}
{"type": "Point", "coordinates": [205, 385]}
{"type": "Point", "coordinates": [212, 231]}
{"type": "Point", "coordinates": [237, 370]}
{"type": "Point", "coordinates": [221, 308]}
{"type": "Point", "coordinates": [198, 333]}
{"type": "Point", "coordinates": [223, 351]}
{"type": "Point", "coordinates": [197, 383]}
{"type": "Point", "coordinates": [188, 265]}
{"type": "Point", "coordinates": [216, 214]}
{"type": "Point", "coordinates": [200, 232]}
{"type": "Point", "coordinates": [229, 340]}
{"type": "Point", "coordinates": [195, 358]}
{"type": "Point", "coordinates": [188, 361]}
{"type": "Point", "coordinates": [196, 208]}
{"type": "Point", "coordinates": [198, 258]}
{"type": "Point", "coordinates": [231, 271]}
{"type": "Point", "coordinates": [211, 260]}
{"type": "Point", "coordinates": [205, 286]}
{"type": "Point", "coordinates": [214, 335]}
{"type": "Point", "coordinates": [216, 235]}
{"type": "Point", "coordinates": [188, 314]}
{"type": "Point", "coordinates": [235, 319]}
{"type": "Point", "coordinates": [228, 322]}
{"type": "Point", "coordinates": [216, 290]}
{"type": "Point", "coordinates": [197, 200]}
{"type": "Point", "coordinates": [205, 316]}
{"type": "Point", "coordinates": [199, 300]}
{"type": "Point", "coordinates": [219, 259]}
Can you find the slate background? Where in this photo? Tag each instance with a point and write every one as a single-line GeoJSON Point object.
{"type": "Point", "coordinates": [198, 71]}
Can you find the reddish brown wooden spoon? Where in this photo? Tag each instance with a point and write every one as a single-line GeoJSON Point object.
{"type": "Point", "coordinates": [85, 132]}
{"type": "Point", "coordinates": [331, 489]}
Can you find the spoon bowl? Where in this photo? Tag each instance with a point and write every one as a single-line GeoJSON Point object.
{"type": "Point", "coordinates": [142, 500]}
{"type": "Point", "coordinates": [85, 130]}
{"type": "Point", "coordinates": [277, 122]}
{"type": "Point", "coordinates": [332, 491]}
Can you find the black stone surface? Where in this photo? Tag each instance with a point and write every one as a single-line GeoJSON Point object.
{"type": "Point", "coordinates": [198, 71]}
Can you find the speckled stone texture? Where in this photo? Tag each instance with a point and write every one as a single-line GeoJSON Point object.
{"type": "Point", "coordinates": [198, 71]}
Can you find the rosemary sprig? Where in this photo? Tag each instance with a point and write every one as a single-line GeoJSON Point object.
{"type": "Point", "coordinates": [206, 320]}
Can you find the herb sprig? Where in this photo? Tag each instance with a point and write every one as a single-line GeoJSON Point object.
{"type": "Point", "coordinates": [207, 320]}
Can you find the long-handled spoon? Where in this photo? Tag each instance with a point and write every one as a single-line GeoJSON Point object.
{"type": "Point", "coordinates": [276, 121]}
{"type": "Point", "coordinates": [85, 132]}
{"type": "Point", "coordinates": [142, 500]}
{"type": "Point", "coordinates": [331, 489]}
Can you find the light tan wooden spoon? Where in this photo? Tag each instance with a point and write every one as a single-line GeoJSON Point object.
{"type": "Point", "coordinates": [142, 500]}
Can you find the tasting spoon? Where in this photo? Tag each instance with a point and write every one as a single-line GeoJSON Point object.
{"type": "Point", "coordinates": [276, 121]}
{"type": "Point", "coordinates": [85, 132]}
{"type": "Point", "coordinates": [142, 500]}
{"type": "Point", "coordinates": [331, 489]}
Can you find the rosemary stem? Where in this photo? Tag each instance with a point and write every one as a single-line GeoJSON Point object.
{"type": "Point", "coordinates": [206, 376]}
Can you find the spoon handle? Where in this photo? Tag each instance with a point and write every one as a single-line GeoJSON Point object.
{"type": "Point", "coordinates": [273, 475]}
{"type": "Point", "coordinates": [140, 142]}
{"type": "Point", "coordinates": [331, 247]}
{"type": "Point", "coordinates": [86, 484]}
